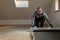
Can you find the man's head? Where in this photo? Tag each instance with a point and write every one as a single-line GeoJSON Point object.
{"type": "Point", "coordinates": [39, 10]}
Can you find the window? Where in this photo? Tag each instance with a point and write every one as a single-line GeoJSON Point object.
{"type": "Point", "coordinates": [56, 5]}
{"type": "Point", "coordinates": [21, 3]}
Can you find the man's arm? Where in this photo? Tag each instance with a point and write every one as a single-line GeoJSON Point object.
{"type": "Point", "coordinates": [33, 19]}
{"type": "Point", "coordinates": [47, 19]}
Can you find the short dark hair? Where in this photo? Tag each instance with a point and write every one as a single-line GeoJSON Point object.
{"type": "Point", "coordinates": [38, 7]}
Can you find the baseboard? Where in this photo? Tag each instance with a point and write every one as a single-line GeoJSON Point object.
{"type": "Point", "coordinates": [15, 22]}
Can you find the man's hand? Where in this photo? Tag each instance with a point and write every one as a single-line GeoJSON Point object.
{"type": "Point", "coordinates": [51, 25]}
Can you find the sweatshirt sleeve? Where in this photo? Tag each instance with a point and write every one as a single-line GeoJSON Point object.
{"type": "Point", "coordinates": [33, 18]}
{"type": "Point", "coordinates": [46, 17]}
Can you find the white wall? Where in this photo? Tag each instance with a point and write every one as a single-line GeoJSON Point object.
{"type": "Point", "coordinates": [15, 22]}
{"type": "Point", "coordinates": [9, 14]}
{"type": "Point", "coordinates": [54, 16]}
{"type": "Point", "coordinates": [8, 9]}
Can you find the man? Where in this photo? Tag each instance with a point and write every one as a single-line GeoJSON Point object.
{"type": "Point", "coordinates": [39, 18]}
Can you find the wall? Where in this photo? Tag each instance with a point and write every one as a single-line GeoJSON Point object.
{"type": "Point", "coordinates": [54, 16]}
{"type": "Point", "coordinates": [8, 11]}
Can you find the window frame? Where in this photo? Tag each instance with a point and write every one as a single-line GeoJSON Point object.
{"type": "Point", "coordinates": [27, 4]}
{"type": "Point", "coordinates": [57, 5]}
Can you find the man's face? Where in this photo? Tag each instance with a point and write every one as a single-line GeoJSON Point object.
{"type": "Point", "coordinates": [39, 11]}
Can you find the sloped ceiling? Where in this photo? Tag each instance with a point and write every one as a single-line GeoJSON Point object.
{"type": "Point", "coordinates": [9, 11]}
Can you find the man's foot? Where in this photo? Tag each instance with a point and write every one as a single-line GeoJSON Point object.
{"type": "Point", "coordinates": [34, 27]}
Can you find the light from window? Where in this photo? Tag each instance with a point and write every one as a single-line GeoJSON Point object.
{"type": "Point", "coordinates": [56, 5]}
{"type": "Point", "coordinates": [21, 3]}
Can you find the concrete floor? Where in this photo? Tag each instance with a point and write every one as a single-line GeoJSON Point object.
{"type": "Point", "coordinates": [14, 33]}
